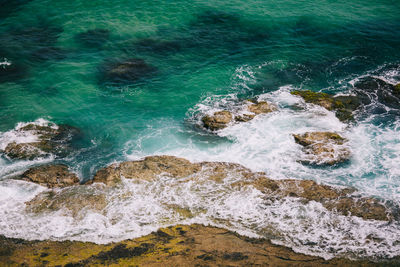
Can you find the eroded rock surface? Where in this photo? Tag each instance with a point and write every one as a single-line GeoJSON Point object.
{"type": "Point", "coordinates": [371, 89]}
{"type": "Point", "coordinates": [72, 200]}
{"type": "Point", "coordinates": [343, 106]}
{"type": "Point", "coordinates": [147, 169]}
{"type": "Point", "coordinates": [181, 245]}
{"type": "Point", "coordinates": [323, 147]}
{"type": "Point", "coordinates": [344, 201]}
{"type": "Point", "coordinates": [221, 119]}
{"type": "Point", "coordinates": [50, 139]}
{"type": "Point", "coordinates": [51, 176]}
{"type": "Point", "coordinates": [218, 120]}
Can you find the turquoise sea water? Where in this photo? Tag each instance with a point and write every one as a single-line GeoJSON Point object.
{"type": "Point", "coordinates": [205, 55]}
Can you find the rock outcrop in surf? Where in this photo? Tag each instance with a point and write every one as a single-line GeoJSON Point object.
{"type": "Point", "coordinates": [221, 119]}
{"type": "Point", "coordinates": [323, 147]}
{"type": "Point", "coordinates": [52, 175]}
{"type": "Point", "coordinates": [42, 140]}
{"type": "Point", "coordinates": [345, 201]}
{"type": "Point", "coordinates": [343, 106]}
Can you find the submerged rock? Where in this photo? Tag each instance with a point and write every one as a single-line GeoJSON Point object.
{"type": "Point", "coordinates": [344, 201]}
{"type": "Point", "coordinates": [157, 46]}
{"type": "Point", "coordinates": [219, 120]}
{"type": "Point", "coordinates": [51, 176]}
{"type": "Point", "coordinates": [50, 139]}
{"type": "Point", "coordinates": [125, 72]}
{"type": "Point", "coordinates": [323, 147]}
{"type": "Point", "coordinates": [342, 105]}
{"type": "Point", "coordinates": [94, 37]}
{"type": "Point", "coordinates": [180, 245]}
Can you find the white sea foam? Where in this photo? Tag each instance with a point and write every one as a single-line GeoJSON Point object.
{"type": "Point", "coordinates": [138, 208]}
{"type": "Point", "coordinates": [5, 63]}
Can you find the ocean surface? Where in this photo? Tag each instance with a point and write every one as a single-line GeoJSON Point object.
{"type": "Point", "coordinates": [204, 56]}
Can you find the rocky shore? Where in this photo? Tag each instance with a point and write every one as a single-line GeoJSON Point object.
{"type": "Point", "coordinates": [180, 245]}
{"type": "Point", "coordinates": [193, 244]}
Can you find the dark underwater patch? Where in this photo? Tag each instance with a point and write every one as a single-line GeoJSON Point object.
{"type": "Point", "coordinates": [48, 53]}
{"type": "Point", "coordinates": [156, 45]}
{"type": "Point", "coordinates": [8, 8]}
{"type": "Point", "coordinates": [13, 72]}
{"type": "Point", "coordinates": [124, 72]}
{"type": "Point", "coordinates": [93, 38]}
{"type": "Point", "coordinates": [214, 28]}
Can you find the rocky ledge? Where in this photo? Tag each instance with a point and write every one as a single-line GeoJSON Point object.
{"type": "Point", "coordinates": [180, 245]}
{"type": "Point", "coordinates": [221, 119]}
{"type": "Point", "coordinates": [323, 147]}
{"type": "Point", "coordinates": [343, 106]}
{"type": "Point", "coordinates": [51, 139]}
{"type": "Point", "coordinates": [345, 201]}
{"type": "Point", "coordinates": [57, 175]}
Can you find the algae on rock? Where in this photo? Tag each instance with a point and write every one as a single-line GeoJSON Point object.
{"type": "Point", "coordinates": [180, 245]}
{"type": "Point", "coordinates": [342, 105]}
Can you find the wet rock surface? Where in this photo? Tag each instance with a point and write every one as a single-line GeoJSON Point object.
{"type": "Point", "coordinates": [147, 169]}
{"type": "Point", "coordinates": [323, 147]}
{"type": "Point", "coordinates": [180, 245]}
{"type": "Point", "coordinates": [344, 201]}
{"type": "Point", "coordinates": [372, 89]}
{"type": "Point", "coordinates": [261, 107]}
{"type": "Point", "coordinates": [343, 106]}
{"type": "Point", "coordinates": [51, 176]}
{"type": "Point", "coordinates": [221, 119]}
{"type": "Point", "coordinates": [51, 139]}
{"type": "Point", "coordinates": [72, 200]}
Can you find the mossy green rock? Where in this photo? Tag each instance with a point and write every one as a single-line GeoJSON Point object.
{"type": "Point", "coordinates": [343, 106]}
{"type": "Point", "coordinates": [180, 245]}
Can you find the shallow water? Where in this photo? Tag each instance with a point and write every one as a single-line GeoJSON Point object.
{"type": "Point", "coordinates": [205, 57]}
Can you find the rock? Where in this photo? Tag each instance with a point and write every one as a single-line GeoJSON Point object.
{"type": "Point", "coordinates": [371, 89]}
{"type": "Point", "coordinates": [343, 200]}
{"type": "Point", "coordinates": [261, 107]}
{"type": "Point", "coordinates": [72, 200]}
{"type": "Point", "coordinates": [342, 105]}
{"type": "Point", "coordinates": [218, 120]}
{"type": "Point", "coordinates": [221, 119]}
{"type": "Point", "coordinates": [244, 117]}
{"type": "Point", "coordinates": [323, 147]}
{"type": "Point", "coordinates": [147, 169]}
{"type": "Point", "coordinates": [51, 139]}
{"type": "Point", "coordinates": [397, 88]}
{"type": "Point", "coordinates": [24, 150]}
{"type": "Point", "coordinates": [180, 245]}
{"type": "Point", "coordinates": [127, 71]}
{"type": "Point", "coordinates": [51, 176]}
